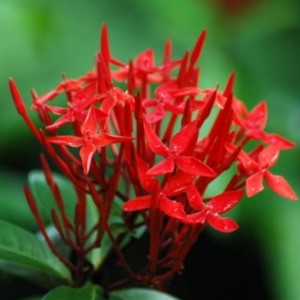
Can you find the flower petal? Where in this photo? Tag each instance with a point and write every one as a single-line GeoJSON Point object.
{"type": "Point", "coordinates": [156, 115]}
{"type": "Point", "coordinates": [69, 140]}
{"type": "Point", "coordinates": [177, 183]}
{"type": "Point", "coordinates": [257, 118]}
{"type": "Point", "coordinates": [280, 186]}
{"type": "Point", "coordinates": [225, 202]}
{"type": "Point", "coordinates": [254, 184]}
{"type": "Point", "coordinates": [148, 182]}
{"type": "Point", "coordinates": [268, 156]}
{"type": "Point", "coordinates": [84, 97]}
{"type": "Point", "coordinates": [172, 209]}
{"type": "Point", "coordinates": [198, 217]}
{"type": "Point", "coordinates": [105, 139]}
{"type": "Point", "coordinates": [68, 117]}
{"type": "Point", "coordinates": [278, 141]}
{"type": "Point", "coordinates": [90, 123]}
{"type": "Point", "coordinates": [221, 224]}
{"type": "Point", "coordinates": [194, 198]}
{"type": "Point", "coordinates": [163, 167]}
{"type": "Point", "coordinates": [154, 142]}
{"type": "Point", "coordinates": [194, 166]}
{"type": "Point", "coordinates": [138, 203]}
{"type": "Point", "coordinates": [86, 154]}
{"type": "Point", "coordinates": [183, 138]}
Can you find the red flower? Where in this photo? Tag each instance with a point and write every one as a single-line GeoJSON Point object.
{"type": "Point", "coordinates": [76, 110]}
{"type": "Point", "coordinates": [175, 185]}
{"type": "Point", "coordinates": [175, 154]}
{"type": "Point", "coordinates": [254, 123]}
{"type": "Point", "coordinates": [90, 141]}
{"type": "Point", "coordinates": [165, 101]}
{"type": "Point", "coordinates": [217, 205]}
{"type": "Point", "coordinates": [257, 165]}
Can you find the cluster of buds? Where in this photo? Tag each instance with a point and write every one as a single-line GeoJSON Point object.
{"type": "Point", "coordinates": [137, 132]}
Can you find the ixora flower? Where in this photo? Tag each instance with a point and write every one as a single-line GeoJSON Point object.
{"type": "Point", "coordinates": [132, 133]}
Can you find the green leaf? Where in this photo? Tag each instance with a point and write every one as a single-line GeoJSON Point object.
{"type": "Point", "coordinates": [94, 256]}
{"type": "Point", "coordinates": [44, 197]}
{"type": "Point", "coordinates": [13, 206]}
{"type": "Point", "coordinates": [89, 292]}
{"type": "Point", "coordinates": [141, 293]}
{"type": "Point", "coordinates": [23, 254]}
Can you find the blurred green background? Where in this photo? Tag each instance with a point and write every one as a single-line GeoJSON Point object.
{"type": "Point", "coordinates": [260, 40]}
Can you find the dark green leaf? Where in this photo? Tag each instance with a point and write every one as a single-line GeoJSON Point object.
{"type": "Point", "coordinates": [44, 197]}
{"type": "Point", "coordinates": [141, 293]}
{"type": "Point", "coordinates": [94, 256]}
{"type": "Point", "coordinates": [23, 254]}
{"type": "Point", "coordinates": [90, 292]}
{"type": "Point", "coordinates": [13, 206]}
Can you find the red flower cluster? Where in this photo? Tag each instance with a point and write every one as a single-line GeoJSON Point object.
{"type": "Point", "coordinates": [137, 132]}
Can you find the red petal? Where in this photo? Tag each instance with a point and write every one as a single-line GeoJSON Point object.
{"type": "Point", "coordinates": [194, 166]}
{"type": "Point", "coordinates": [225, 202]}
{"type": "Point", "coordinates": [194, 198]}
{"type": "Point", "coordinates": [247, 162]}
{"type": "Point", "coordinates": [154, 142]}
{"type": "Point", "coordinates": [104, 139]}
{"type": "Point", "coordinates": [268, 156]}
{"type": "Point", "coordinates": [138, 203]}
{"type": "Point", "coordinates": [221, 224]}
{"type": "Point", "coordinates": [187, 91]}
{"type": "Point", "coordinates": [63, 120]}
{"type": "Point", "coordinates": [198, 217]}
{"type": "Point", "coordinates": [280, 186]}
{"type": "Point", "coordinates": [108, 103]}
{"type": "Point", "coordinates": [182, 139]}
{"type": "Point", "coordinates": [163, 167]}
{"type": "Point", "coordinates": [90, 123]}
{"type": "Point", "coordinates": [145, 61]}
{"type": "Point", "coordinates": [69, 140]}
{"type": "Point", "coordinates": [86, 154]}
{"type": "Point", "coordinates": [177, 183]}
{"type": "Point", "coordinates": [84, 97]}
{"type": "Point", "coordinates": [254, 184]}
{"type": "Point", "coordinates": [148, 182]}
{"type": "Point", "coordinates": [156, 115]}
{"type": "Point", "coordinates": [277, 140]}
{"type": "Point", "coordinates": [257, 118]}
{"type": "Point", "coordinates": [172, 209]}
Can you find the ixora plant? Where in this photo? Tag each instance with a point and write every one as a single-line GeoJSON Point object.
{"type": "Point", "coordinates": [140, 146]}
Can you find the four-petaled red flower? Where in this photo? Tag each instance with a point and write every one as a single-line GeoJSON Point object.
{"type": "Point", "coordinates": [178, 153]}
{"type": "Point", "coordinates": [161, 198]}
{"type": "Point", "coordinates": [217, 205]}
{"type": "Point", "coordinates": [254, 123]}
{"type": "Point", "coordinates": [90, 141]}
{"type": "Point", "coordinates": [256, 166]}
